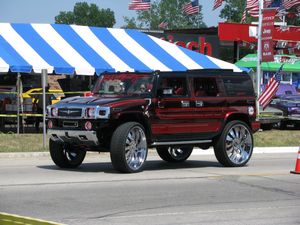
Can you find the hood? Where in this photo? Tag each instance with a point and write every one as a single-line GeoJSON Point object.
{"type": "Point", "coordinates": [77, 100]}
{"type": "Point", "coordinates": [290, 97]}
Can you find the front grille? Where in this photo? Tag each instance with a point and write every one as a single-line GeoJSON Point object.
{"type": "Point", "coordinates": [70, 112]}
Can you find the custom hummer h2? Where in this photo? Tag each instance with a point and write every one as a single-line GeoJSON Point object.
{"type": "Point", "coordinates": [171, 111]}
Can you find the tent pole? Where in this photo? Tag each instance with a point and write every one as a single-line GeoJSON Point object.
{"type": "Point", "coordinates": [18, 103]}
{"type": "Point", "coordinates": [259, 53]}
{"type": "Point", "coordinates": [44, 78]}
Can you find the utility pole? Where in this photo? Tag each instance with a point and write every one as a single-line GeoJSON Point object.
{"type": "Point", "coordinates": [259, 53]}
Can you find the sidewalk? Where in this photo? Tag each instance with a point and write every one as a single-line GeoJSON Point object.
{"type": "Point", "coordinates": [197, 151]}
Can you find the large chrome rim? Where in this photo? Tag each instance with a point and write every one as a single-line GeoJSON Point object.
{"type": "Point", "coordinates": [177, 153]}
{"type": "Point", "coordinates": [239, 144]}
{"type": "Point", "coordinates": [136, 148]}
{"type": "Point", "coordinates": [70, 155]}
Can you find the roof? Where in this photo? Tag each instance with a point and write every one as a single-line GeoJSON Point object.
{"type": "Point", "coordinates": [82, 50]}
{"type": "Point", "coordinates": [291, 63]}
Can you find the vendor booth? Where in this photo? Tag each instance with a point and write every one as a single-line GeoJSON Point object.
{"type": "Point", "coordinates": [290, 71]}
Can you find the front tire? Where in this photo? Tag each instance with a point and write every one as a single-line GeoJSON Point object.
{"type": "Point", "coordinates": [235, 145]}
{"type": "Point", "coordinates": [128, 149]}
{"type": "Point", "coordinates": [66, 156]}
{"type": "Point", "coordinates": [174, 154]}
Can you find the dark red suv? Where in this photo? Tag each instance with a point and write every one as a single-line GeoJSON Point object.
{"type": "Point", "coordinates": [173, 112]}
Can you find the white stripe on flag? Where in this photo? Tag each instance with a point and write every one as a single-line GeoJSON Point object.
{"type": "Point", "coordinates": [24, 49]}
{"type": "Point", "coordinates": [137, 50]}
{"type": "Point", "coordinates": [4, 67]}
{"type": "Point", "coordinates": [268, 93]}
{"type": "Point", "coordinates": [64, 49]}
{"type": "Point", "coordinates": [177, 54]}
{"type": "Point", "coordinates": [102, 50]}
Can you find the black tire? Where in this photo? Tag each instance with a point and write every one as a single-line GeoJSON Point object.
{"type": "Point", "coordinates": [128, 149]}
{"type": "Point", "coordinates": [234, 148]}
{"type": "Point", "coordinates": [66, 156]}
{"type": "Point", "coordinates": [174, 154]}
{"type": "Point", "coordinates": [266, 126]}
{"type": "Point", "coordinates": [282, 125]}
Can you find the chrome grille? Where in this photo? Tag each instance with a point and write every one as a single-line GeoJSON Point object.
{"type": "Point", "coordinates": [69, 112]}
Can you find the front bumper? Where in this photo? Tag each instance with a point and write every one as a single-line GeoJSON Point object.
{"type": "Point", "coordinates": [79, 137]}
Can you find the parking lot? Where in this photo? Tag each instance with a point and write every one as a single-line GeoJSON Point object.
{"type": "Point", "coordinates": [199, 191]}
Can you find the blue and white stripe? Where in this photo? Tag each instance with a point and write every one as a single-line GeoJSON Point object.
{"type": "Point", "coordinates": [72, 49]}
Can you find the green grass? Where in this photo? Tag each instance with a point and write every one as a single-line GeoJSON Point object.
{"type": "Point", "coordinates": [277, 138]}
{"type": "Point", "coordinates": [34, 142]}
{"type": "Point", "coordinates": [22, 143]}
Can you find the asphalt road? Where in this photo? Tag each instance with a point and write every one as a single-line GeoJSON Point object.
{"type": "Point", "coordinates": [199, 191]}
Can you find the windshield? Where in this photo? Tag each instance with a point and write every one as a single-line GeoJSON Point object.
{"type": "Point", "coordinates": [124, 84]}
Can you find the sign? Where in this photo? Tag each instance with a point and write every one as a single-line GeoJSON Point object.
{"type": "Point", "coordinates": [205, 43]}
{"type": "Point", "coordinates": [267, 35]}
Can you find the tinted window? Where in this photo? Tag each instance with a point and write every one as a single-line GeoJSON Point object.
{"type": "Point", "coordinates": [205, 87]}
{"type": "Point", "coordinates": [238, 86]}
{"type": "Point", "coordinates": [176, 86]}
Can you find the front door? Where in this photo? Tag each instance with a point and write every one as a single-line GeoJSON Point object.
{"type": "Point", "coordinates": [173, 110]}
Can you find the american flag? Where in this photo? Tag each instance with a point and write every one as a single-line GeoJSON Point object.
{"type": "Point", "coordinates": [270, 90]}
{"type": "Point", "coordinates": [139, 5]}
{"type": "Point", "coordinates": [191, 7]}
{"type": "Point", "coordinates": [217, 4]}
{"type": "Point", "coordinates": [290, 3]}
{"type": "Point", "coordinates": [243, 20]}
{"type": "Point", "coordinates": [163, 24]}
{"type": "Point", "coordinates": [252, 6]}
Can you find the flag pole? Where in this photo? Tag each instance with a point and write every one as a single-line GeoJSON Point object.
{"type": "Point", "coordinates": [259, 54]}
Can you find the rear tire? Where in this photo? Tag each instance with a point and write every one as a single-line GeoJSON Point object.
{"type": "Point", "coordinates": [66, 156]}
{"type": "Point", "coordinates": [128, 149]}
{"type": "Point", "coordinates": [235, 145]}
{"type": "Point", "coordinates": [174, 154]}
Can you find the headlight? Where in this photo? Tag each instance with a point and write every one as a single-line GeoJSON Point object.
{"type": "Point", "coordinates": [54, 111]}
{"type": "Point", "coordinates": [90, 112]}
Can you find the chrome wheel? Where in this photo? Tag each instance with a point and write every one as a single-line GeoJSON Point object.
{"type": "Point", "coordinates": [239, 144]}
{"type": "Point", "coordinates": [174, 154]}
{"type": "Point", "coordinates": [128, 148]}
{"type": "Point", "coordinates": [66, 156]}
{"type": "Point", "coordinates": [135, 148]}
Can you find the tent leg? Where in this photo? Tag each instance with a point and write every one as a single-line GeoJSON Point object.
{"type": "Point", "coordinates": [18, 102]}
{"type": "Point", "coordinates": [44, 78]}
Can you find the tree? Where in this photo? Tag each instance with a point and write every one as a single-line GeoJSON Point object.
{"type": "Point", "coordinates": [88, 15]}
{"type": "Point", "coordinates": [166, 10]}
{"type": "Point", "coordinates": [233, 11]}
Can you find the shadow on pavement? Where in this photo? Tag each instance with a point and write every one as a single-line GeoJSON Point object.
{"type": "Point", "coordinates": [151, 165]}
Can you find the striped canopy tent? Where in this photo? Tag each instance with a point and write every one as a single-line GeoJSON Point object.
{"type": "Point", "coordinates": [71, 49]}
{"type": "Point", "coordinates": [82, 50]}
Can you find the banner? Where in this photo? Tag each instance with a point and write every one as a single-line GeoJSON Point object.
{"type": "Point", "coordinates": [267, 35]}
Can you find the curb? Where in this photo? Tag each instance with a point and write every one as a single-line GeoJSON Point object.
{"type": "Point", "coordinates": [197, 151]}
{"type": "Point", "coordinates": [6, 218]}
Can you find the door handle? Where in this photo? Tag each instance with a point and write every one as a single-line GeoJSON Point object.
{"type": "Point", "coordinates": [199, 103]}
{"type": "Point", "coordinates": [185, 104]}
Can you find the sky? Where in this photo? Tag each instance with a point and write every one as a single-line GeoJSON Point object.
{"type": "Point", "coordinates": [44, 11]}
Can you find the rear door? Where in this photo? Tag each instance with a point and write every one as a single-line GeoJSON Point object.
{"type": "Point", "coordinates": [208, 100]}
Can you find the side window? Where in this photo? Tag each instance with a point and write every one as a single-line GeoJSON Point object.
{"type": "Point", "coordinates": [238, 86]}
{"type": "Point", "coordinates": [172, 86]}
{"type": "Point", "coordinates": [205, 87]}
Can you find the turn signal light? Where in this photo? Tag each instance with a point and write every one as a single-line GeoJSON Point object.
{"type": "Point", "coordinates": [50, 124]}
{"type": "Point", "coordinates": [88, 125]}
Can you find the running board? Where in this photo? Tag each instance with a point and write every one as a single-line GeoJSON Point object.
{"type": "Point", "coordinates": [181, 142]}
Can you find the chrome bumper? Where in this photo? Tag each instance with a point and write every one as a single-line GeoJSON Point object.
{"type": "Point", "coordinates": [74, 136]}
